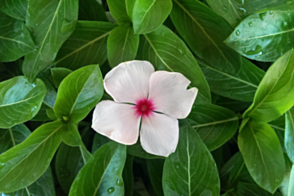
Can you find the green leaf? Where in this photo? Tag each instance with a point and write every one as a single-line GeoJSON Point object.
{"type": "Point", "coordinates": [119, 12]}
{"type": "Point", "coordinates": [99, 140]}
{"type": "Point", "coordinates": [51, 94]}
{"type": "Point", "coordinates": [87, 45]}
{"type": "Point", "coordinates": [78, 93]}
{"type": "Point", "coordinates": [130, 7]}
{"type": "Point", "coordinates": [214, 124]}
{"type": "Point", "coordinates": [264, 36]}
{"type": "Point", "coordinates": [231, 104]}
{"type": "Point", "coordinates": [240, 86]}
{"type": "Point", "coordinates": [138, 151]}
{"type": "Point", "coordinates": [289, 134]}
{"type": "Point", "coordinates": [155, 170]}
{"type": "Point", "coordinates": [278, 124]}
{"type": "Point", "coordinates": [274, 95]}
{"type": "Point", "coordinates": [20, 100]}
{"type": "Point", "coordinates": [58, 74]}
{"type": "Point", "coordinates": [247, 189]}
{"type": "Point", "coordinates": [284, 187]}
{"type": "Point", "coordinates": [166, 51]}
{"type": "Point", "coordinates": [235, 11]}
{"type": "Point", "coordinates": [91, 10]}
{"type": "Point", "coordinates": [71, 135]}
{"type": "Point", "coordinates": [15, 8]}
{"type": "Point", "coordinates": [190, 170]}
{"type": "Point", "coordinates": [51, 23]}
{"type": "Point", "coordinates": [128, 176]}
{"type": "Point", "coordinates": [148, 15]}
{"type": "Point", "coordinates": [9, 70]}
{"type": "Point", "coordinates": [30, 159]}
{"type": "Point", "coordinates": [262, 154]}
{"type": "Point", "coordinates": [204, 31]}
{"type": "Point", "coordinates": [122, 45]}
{"type": "Point", "coordinates": [15, 39]}
{"type": "Point", "coordinates": [291, 182]}
{"type": "Point", "coordinates": [104, 177]}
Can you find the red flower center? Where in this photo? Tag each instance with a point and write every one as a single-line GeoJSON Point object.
{"type": "Point", "coordinates": [144, 107]}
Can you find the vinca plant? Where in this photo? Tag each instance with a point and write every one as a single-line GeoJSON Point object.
{"type": "Point", "coordinates": [146, 97]}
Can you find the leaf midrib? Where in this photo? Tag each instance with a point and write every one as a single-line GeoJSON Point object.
{"type": "Point", "coordinates": [146, 13]}
{"type": "Point", "coordinates": [215, 122]}
{"type": "Point", "coordinates": [18, 102]}
{"type": "Point", "coordinates": [17, 41]}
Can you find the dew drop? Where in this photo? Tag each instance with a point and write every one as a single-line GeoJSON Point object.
{"type": "Point", "coordinates": [68, 26]}
{"type": "Point", "coordinates": [277, 180]}
{"type": "Point", "coordinates": [250, 24]}
{"type": "Point", "coordinates": [262, 16]}
{"type": "Point", "coordinates": [110, 190]}
{"type": "Point", "coordinates": [33, 109]}
{"type": "Point", "coordinates": [284, 23]}
{"type": "Point", "coordinates": [282, 53]}
{"type": "Point", "coordinates": [119, 182]}
{"type": "Point", "coordinates": [177, 166]}
{"type": "Point", "coordinates": [237, 32]}
{"type": "Point", "coordinates": [256, 51]}
{"type": "Point", "coordinates": [242, 10]}
{"type": "Point", "coordinates": [271, 12]}
{"type": "Point", "coordinates": [225, 8]}
{"type": "Point", "coordinates": [1, 165]}
{"type": "Point", "coordinates": [37, 47]}
{"type": "Point", "coordinates": [288, 2]}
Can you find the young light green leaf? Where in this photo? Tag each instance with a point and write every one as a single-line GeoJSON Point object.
{"type": "Point", "coordinates": [204, 31]}
{"type": "Point", "coordinates": [289, 134]}
{"type": "Point", "coordinates": [148, 15]}
{"type": "Point", "coordinates": [240, 86]}
{"type": "Point", "coordinates": [166, 51]}
{"type": "Point", "coordinates": [190, 170]}
{"type": "Point", "coordinates": [91, 10]}
{"type": "Point", "coordinates": [118, 11]}
{"type": "Point", "coordinates": [25, 163]}
{"type": "Point", "coordinates": [155, 170]}
{"type": "Point", "coordinates": [58, 74]}
{"type": "Point", "coordinates": [264, 36]}
{"type": "Point", "coordinates": [130, 7]}
{"type": "Point", "coordinates": [15, 8]}
{"type": "Point", "coordinates": [51, 23]}
{"type": "Point", "coordinates": [263, 155]}
{"type": "Point", "coordinates": [18, 106]}
{"type": "Point", "coordinates": [274, 95]}
{"type": "Point", "coordinates": [87, 45]}
{"type": "Point", "coordinates": [78, 93]}
{"type": "Point", "coordinates": [122, 45]}
{"type": "Point", "coordinates": [102, 177]}
{"type": "Point", "coordinates": [15, 39]}
{"type": "Point", "coordinates": [214, 124]}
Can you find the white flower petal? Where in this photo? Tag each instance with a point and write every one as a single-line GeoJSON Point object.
{"type": "Point", "coordinates": [159, 134]}
{"type": "Point", "coordinates": [169, 94]}
{"type": "Point", "coordinates": [129, 81]}
{"type": "Point", "coordinates": [116, 121]}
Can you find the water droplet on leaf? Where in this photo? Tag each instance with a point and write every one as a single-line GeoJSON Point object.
{"type": "Point", "coordinates": [262, 16]}
{"type": "Point", "coordinates": [237, 32]}
{"type": "Point", "coordinates": [225, 8]}
{"type": "Point", "coordinates": [250, 24]}
{"type": "Point", "coordinates": [277, 180]}
{"type": "Point", "coordinates": [35, 107]}
{"type": "Point", "coordinates": [119, 182]}
{"type": "Point", "coordinates": [271, 12]}
{"type": "Point", "coordinates": [1, 165]}
{"type": "Point", "coordinates": [242, 10]}
{"type": "Point", "coordinates": [68, 26]}
{"type": "Point", "coordinates": [257, 50]}
{"type": "Point", "coordinates": [110, 190]}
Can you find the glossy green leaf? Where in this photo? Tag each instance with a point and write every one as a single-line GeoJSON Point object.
{"type": "Point", "coordinates": [91, 10]}
{"type": "Point", "coordinates": [58, 74]}
{"type": "Point", "coordinates": [240, 86]}
{"type": "Point", "coordinates": [122, 45]}
{"type": "Point", "coordinates": [291, 182]}
{"type": "Point", "coordinates": [130, 7]}
{"type": "Point", "coordinates": [247, 189]}
{"type": "Point", "coordinates": [20, 106]}
{"type": "Point", "coordinates": [190, 170]}
{"type": "Point", "coordinates": [128, 176]}
{"type": "Point", "coordinates": [42, 114]}
{"type": "Point", "coordinates": [148, 15]}
{"type": "Point", "coordinates": [204, 31]}
{"type": "Point", "coordinates": [99, 140]}
{"type": "Point", "coordinates": [25, 163]}
{"type": "Point", "coordinates": [289, 134]}
{"type": "Point", "coordinates": [235, 11]}
{"type": "Point", "coordinates": [15, 8]}
{"type": "Point", "coordinates": [71, 135]}
{"type": "Point", "coordinates": [15, 39]}
{"type": "Point", "coordinates": [214, 124]}
{"type": "Point", "coordinates": [155, 171]}
{"type": "Point", "coordinates": [51, 94]}
{"type": "Point", "coordinates": [87, 45]}
{"type": "Point", "coordinates": [284, 187]}
{"type": "Point", "coordinates": [262, 154]}
{"type": "Point", "coordinates": [102, 177]}
{"type": "Point", "coordinates": [166, 51]}
{"type": "Point", "coordinates": [278, 124]}
{"type": "Point", "coordinates": [51, 22]}
{"type": "Point", "coordinates": [274, 95]}
{"type": "Point", "coordinates": [264, 36]}
{"type": "Point", "coordinates": [78, 93]}
{"type": "Point", "coordinates": [118, 11]}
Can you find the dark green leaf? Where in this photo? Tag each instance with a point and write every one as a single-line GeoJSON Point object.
{"type": "Point", "coordinates": [262, 154]}
{"type": "Point", "coordinates": [20, 100]}
{"type": "Point", "coordinates": [204, 31]}
{"type": "Point", "coordinates": [91, 10]}
{"type": "Point", "coordinates": [137, 151]}
{"type": "Point", "coordinates": [15, 8]}
{"type": "Point", "coordinates": [291, 182]}
{"type": "Point", "coordinates": [148, 15]}
{"type": "Point", "coordinates": [122, 45]}
{"type": "Point", "coordinates": [289, 134]}
{"type": "Point", "coordinates": [58, 74]}
{"type": "Point", "coordinates": [87, 45]}
{"type": "Point", "coordinates": [191, 170]}
{"type": "Point", "coordinates": [155, 170]}
{"type": "Point", "coordinates": [247, 189]}
{"type": "Point", "coordinates": [278, 124]}
{"type": "Point", "coordinates": [128, 176]}
{"type": "Point", "coordinates": [231, 104]}
{"type": "Point", "coordinates": [51, 94]}
{"type": "Point", "coordinates": [25, 163]}
{"type": "Point", "coordinates": [275, 93]}
{"type": "Point", "coordinates": [99, 140]}
{"type": "Point", "coordinates": [78, 93]}
{"type": "Point", "coordinates": [166, 51]}
{"type": "Point", "coordinates": [119, 12]}
{"type": "Point", "coordinates": [284, 187]}
{"type": "Point", "coordinates": [51, 22]}
{"type": "Point", "coordinates": [240, 86]}
{"type": "Point", "coordinates": [9, 70]}
{"type": "Point", "coordinates": [214, 124]}
{"type": "Point", "coordinates": [102, 177]}
{"type": "Point", "coordinates": [15, 39]}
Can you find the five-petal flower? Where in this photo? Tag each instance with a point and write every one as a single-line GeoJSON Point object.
{"type": "Point", "coordinates": [154, 99]}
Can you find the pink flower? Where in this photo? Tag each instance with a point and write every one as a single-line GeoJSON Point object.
{"type": "Point", "coordinates": [154, 99]}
